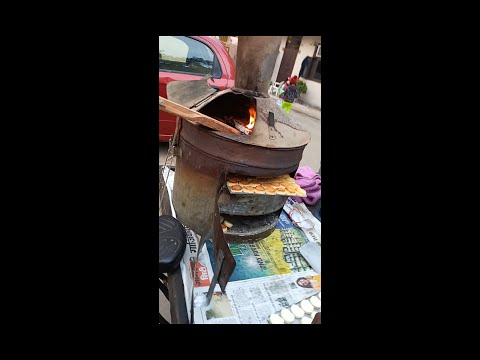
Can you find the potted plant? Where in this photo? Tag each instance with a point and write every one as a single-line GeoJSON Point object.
{"type": "Point", "coordinates": [301, 87]}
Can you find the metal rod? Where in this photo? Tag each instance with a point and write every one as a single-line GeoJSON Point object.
{"type": "Point", "coordinates": [170, 156]}
{"type": "Point", "coordinates": [164, 289]}
{"type": "Point", "coordinates": [218, 268]}
{"type": "Point", "coordinates": [203, 239]}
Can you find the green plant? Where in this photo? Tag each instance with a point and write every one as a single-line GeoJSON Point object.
{"type": "Point", "coordinates": [301, 87]}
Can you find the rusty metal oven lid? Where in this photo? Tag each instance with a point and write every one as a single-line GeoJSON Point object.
{"type": "Point", "coordinates": [189, 93]}
{"type": "Point", "coordinates": [286, 132]}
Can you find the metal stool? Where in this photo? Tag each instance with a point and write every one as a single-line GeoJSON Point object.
{"type": "Point", "coordinates": [172, 244]}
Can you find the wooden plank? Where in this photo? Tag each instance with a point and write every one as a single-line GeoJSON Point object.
{"type": "Point", "coordinates": [192, 115]}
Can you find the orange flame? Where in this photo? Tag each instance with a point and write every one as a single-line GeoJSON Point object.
{"type": "Point", "coordinates": [253, 115]}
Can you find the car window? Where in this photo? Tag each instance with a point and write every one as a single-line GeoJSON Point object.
{"type": "Point", "coordinates": [217, 70]}
{"type": "Point", "coordinates": [185, 55]}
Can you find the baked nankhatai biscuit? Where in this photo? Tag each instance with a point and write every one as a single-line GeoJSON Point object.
{"type": "Point", "coordinates": [260, 190]}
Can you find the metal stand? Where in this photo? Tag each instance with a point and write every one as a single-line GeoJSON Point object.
{"type": "Point", "coordinates": [171, 153]}
{"type": "Point", "coordinates": [216, 273]}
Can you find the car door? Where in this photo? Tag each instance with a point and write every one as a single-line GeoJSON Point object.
{"type": "Point", "coordinates": [185, 58]}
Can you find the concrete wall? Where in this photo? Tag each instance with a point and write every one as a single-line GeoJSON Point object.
{"type": "Point", "coordinates": [313, 95]}
{"type": "Point", "coordinates": [307, 48]}
{"type": "Point", "coordinates": [232, 49]}
{"type": "Point", "coordinates": [279, 58]}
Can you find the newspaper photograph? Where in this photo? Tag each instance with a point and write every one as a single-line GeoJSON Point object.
{"type": "Point", "coordinates": [277, 254]}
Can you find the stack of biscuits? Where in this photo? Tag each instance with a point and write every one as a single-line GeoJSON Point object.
{"type": "Point", "coordinates": [279, 185]}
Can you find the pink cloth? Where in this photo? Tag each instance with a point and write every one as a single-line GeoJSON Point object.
{"type": "Point", "coordinates": [309, 181]}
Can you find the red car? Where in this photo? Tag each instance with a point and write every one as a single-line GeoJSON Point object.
{"type": "Point", "coordinates": [191, 58]}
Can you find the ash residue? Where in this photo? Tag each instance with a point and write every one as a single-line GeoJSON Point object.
{"type": "Point", "coordinates": [264, 106]}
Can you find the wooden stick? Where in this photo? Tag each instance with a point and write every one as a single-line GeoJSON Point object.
{"type": "Point", "coordinates": [192, 115]}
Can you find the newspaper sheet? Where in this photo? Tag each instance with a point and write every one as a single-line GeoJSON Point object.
{"type": "Point", "coordinates": [264, 280]}
{"type": "Point", "coordinates": [277, 254]}
{"type": "Point", "coordinates": [253, 301]}
{"type": "Point", "coordinates": [304, 219]}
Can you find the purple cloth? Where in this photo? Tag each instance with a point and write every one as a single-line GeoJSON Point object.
{"type": "Point", "coordinates": [309, 181]}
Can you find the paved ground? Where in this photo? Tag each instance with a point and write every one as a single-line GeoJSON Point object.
{"type": "Point", "coordinates": [309, 118]}
{"type": "Point", "coordinates": [306, 110]}
{"type": "Point", "coordinates": [312, 153]}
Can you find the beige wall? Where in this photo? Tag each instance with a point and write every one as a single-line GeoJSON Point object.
{"type": "Point", "coordinates": [232, 49]}
{"type": "Point", "coordinates": [306, 49]}
{"type": "Point", "coordinates": [279, 58]}
{"type": "Point", "coordinates": [313, 95]}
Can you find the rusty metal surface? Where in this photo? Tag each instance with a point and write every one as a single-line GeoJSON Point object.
{"type": "Point", "coordinates": [238, 157]}
{"type": "Point", "coordinates": [178, 307]}
{"type": "Point", "coordinates": [218, 261]}
{"type": "Point", "coordinates": [198, 95]}
{"type": "Point", "coordinates": [219, 242]}
{"type": "Point", "coordinates": [249, 204]}
{"type": "Point", "coordinates": [289, 132]}
{"type": "Point", "coordinates": [256, 57]}
{"type": "Point", "coordinates": [189, 92]}
{"type": "Point", "coordinates": [194, 192]}
{"type": "Point", "coordinates": [249, 93]}
{"type": "Point", "coordinates": [250, 228]}
{"type": "Point", "coordinates": [194, 189]}
{"type": "Point", "coordinates": [205, 156]}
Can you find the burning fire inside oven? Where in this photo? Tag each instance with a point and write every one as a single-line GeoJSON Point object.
{"type": "Point", "coordinates": [248, 128]}
{"type": "Point", "coordinates": [253, 114]}
{"type": "Point", "coordinates": [237, 111]}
